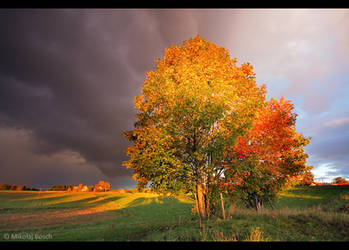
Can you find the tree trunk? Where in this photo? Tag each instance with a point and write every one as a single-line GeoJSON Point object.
{"type": "Point", "coordinates": [196, 203]}
{"type": "Point", "coordinates": [258, 205]}
{"type": "Point", "coordinates": [201, 201]}
{"type": "Point", "coordinates": [271, 204]}
{"type": "Point", "coordinates": [222, 204]}
{"type": "Point", "coordinates": [207, 204]}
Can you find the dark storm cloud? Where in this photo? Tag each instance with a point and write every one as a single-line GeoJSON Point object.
{"type": "Point", "coordinates": [70, 76]}
{"type": "Point", "coordinates": [60, 80]}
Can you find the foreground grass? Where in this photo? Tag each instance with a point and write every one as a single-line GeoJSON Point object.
{"type": "Point", "coordinates": [302, 214]}
{"type": "Point", "coordinates": [89, 216]}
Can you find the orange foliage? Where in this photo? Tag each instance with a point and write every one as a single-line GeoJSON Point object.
{"type": "Point", "coordinates": [273, 143]}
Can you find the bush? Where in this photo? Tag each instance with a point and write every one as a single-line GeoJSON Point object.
{"type": "Point", "coordinates": [20, 188]}
{"type": "Point", "coordinates": [57, 188]}
{"type": "Point", "coordinates": [4, 186]}
{"type": "Point", "coordinates": [102, 186]}
{"type": "Point", "coordinates": [340, 180]}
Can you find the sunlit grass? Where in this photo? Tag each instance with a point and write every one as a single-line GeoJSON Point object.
{"type": "Point", "coordinates": [302, 214]}
{"type": "Point", "coordinates": [300, 196]}
{"type": "Point", "coordinates": [97, 201]}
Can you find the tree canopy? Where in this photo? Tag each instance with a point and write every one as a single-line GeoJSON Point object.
{"type": "Point", "coordinates": [202, 122]}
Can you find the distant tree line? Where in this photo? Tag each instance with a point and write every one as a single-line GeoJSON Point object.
{"type": "Point", "coordinates": [14, 187]}
{"type": "Point", "coordinates": [101, 186]}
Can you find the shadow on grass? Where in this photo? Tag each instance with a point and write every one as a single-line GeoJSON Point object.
{"type": "Point", "coordinates": [52, 202]}
{"type": "Point", "coordinates": [122, 217]}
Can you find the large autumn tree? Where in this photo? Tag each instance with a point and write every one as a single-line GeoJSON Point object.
{"type": "Point", "coordinates": [195, 103]}
{"type": "Point", "coordinates": [203, 125]}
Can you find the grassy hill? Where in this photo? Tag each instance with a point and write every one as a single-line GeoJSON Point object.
{"type": "Point", "coordinates": [302, 214]}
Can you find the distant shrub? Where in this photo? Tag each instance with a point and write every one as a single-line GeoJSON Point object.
{"type": "Point", "coordinates": [85, 189]}
{"type": "Point", "coordinates": [14, 187]}
{"type": "Point", "coordinates": [4, 186]}
{"type": "Point", "coordinates": [102, 186]}
{"type": "Point", "coordinates": [20, 188]}
{"type": "Point", "coordinates": [340, 180]}
{"type": "Point", "coordinates": [58, 188]}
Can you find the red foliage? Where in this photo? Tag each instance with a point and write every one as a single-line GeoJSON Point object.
{"type": "Point", "coordinates": [273, 142]}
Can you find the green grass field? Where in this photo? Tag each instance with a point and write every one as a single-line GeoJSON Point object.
{"type": "Point", "coordinates": [301, 214]}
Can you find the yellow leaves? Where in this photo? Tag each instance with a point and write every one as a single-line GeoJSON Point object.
{"type": "Point", "coordinates": [138, 101]}
{"type": "Point", "coordinates": [150, 74]}
{"type": "Point", "coordinates": [135, 176]}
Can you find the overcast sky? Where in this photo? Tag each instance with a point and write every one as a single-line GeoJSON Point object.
{"type": "Point", "coordinates": [68, 78]}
